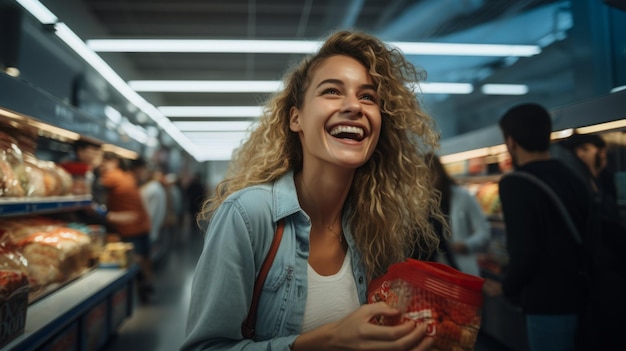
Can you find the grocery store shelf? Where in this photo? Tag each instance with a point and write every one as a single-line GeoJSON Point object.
{"type": "Point", "coordinates": [81, 314]}
{"type": "Point", "coordinates": [38, 205]}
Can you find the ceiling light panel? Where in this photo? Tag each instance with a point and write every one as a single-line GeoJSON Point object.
{"type": "Point", "coordinates": [206, 86]}
{"type": "Point", "coordinates": [211, 111]}
{"type": "Point", "coordinates": [205, 46]}
{"type": "Point", "coordinates": [61, 30]}
{"type": "Point", "coordinates": [445, 88]}
{"type": "Point", "coordinates": [218, 126]}
{"type": "Point", "coordinates": [504, 89]}
{"type": "Point", "coordinates": [267, 86]}
{"type": "Point", "coordinates": [39, 11]}
{"type": "Point", "coordinates": [300, 47]}
{"type": "Point", "coordinates": [211, 136]}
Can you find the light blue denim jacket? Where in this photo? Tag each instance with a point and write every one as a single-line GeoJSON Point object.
{"type": "Point", "coordinates": [236, 243]}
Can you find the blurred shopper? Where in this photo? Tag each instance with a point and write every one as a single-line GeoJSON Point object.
{"type": "Point", "coordinates": [88, 158]}
{"type": "Point", "coordinates": [591, 151]}
{"type": "Point", "coordinates": [545, 264]}
{"type": "Point", "coordinates": [604, 245]}
{"type": "Point", "coordinates": [89, 154]}
{"type": "Point", "coordinates": [195, 194]}
{"type": "Point", "coordinates": [153, 195]}
{"type": "Point", "coordinates": [324, 161]}
{"type": "Point", "coordinates": [127, 214]}
{"type": "Point", "coordinates": [176, 211]}
{"type": "Point", "coordinates": [469, 228]}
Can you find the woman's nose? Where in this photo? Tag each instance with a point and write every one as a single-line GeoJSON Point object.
{"type": "Point", "coordinates": [351, 105]}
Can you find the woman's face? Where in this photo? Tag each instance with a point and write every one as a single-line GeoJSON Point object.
{"type": "Point", "coordinates": [339, 121]}
{"type": "Point", "coordinates": [592, 156]}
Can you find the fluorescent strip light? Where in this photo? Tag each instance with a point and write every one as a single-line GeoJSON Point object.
{"type": "Point", "coordinates": [619, 88]}
{"type": "Point", "coordinates": [74, 42]}
{"type": "Point", "coordinates": [121, 152]}
{"type": "Point", "coordinates": [134, 131]}
{"type": "Point", "coordinates": [461, 156]}
{"type": "Point", "coordinates": [205, 45]}
{"type": "Point", "coordinates": [456, 49]}
{"type": "Point", "coordinates": [112, 114]}
{"type": "Point", "coordinates": [206, 86]}
{"type": "Point", "coordinates": [561, 134]}
{"type": "Point", "coordinates": [219, 144]}
{"type": "Point", "coordinates": [504, 89]}
{"type": "Point", "coordinates": [226, 86]}
{"type": "Point", "coordinates": [45, 16]}
{"type": "Point", "coordinates": [445, 88]}
{"type": "Point", "coordinates": [481, 152]}
{"type": "Point", "coordinates": [211, 111]}
{"type": "Point", "coordinates": [217, 135]}
{"type": "Point", "coordinates": [39, 11]}
{"type": "Point", "coordinates": [556, 135]}
{"type": "Point", "coordinates": [218, 126]}
{"type": "Point", "coordinates": [216, 152]}
{"type": "Point", "coordinates": [49, 130]}
{"type": "Point", "coordinates": [12, 115]}
{"type": "Point", "coordinates": [225, 156]}
{"type": "Point", "coordinates": [602, 127]}
{"type": "Point", "coordinates": [299, 47]}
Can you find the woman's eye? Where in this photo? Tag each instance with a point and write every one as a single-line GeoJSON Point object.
{"type": "Point", "coordinates": [330, 91]}
{"type": "Point", "coordinates": [369, 97]}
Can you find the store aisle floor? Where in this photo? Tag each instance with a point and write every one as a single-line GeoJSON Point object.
{"type": "Point", "coordinates": [160, 325]}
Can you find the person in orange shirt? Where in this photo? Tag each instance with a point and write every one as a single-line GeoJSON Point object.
{"type": "Point", "coordinates": [127, 214]}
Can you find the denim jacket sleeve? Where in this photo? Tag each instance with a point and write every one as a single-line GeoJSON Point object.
{"type": "Point", "coordinates": [223, 282]}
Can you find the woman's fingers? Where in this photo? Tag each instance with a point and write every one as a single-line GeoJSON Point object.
{"type": "Point", "coordinates": [426, 341]}
{"type": "Point", "coordinates": [407, 333]}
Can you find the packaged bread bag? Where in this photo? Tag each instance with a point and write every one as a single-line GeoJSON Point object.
{"type": "Point", "coordinates": [446, 299]}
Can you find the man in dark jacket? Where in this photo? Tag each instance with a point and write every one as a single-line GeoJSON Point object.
{"type": "Point", "coordinates": [544, 270]}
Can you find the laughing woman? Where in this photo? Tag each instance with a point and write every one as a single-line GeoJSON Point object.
{"type": "Point", "coordinates": [338, 158]}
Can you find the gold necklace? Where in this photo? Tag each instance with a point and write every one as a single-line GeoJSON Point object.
{"type": "Point", "coordinates": [338, 235]}
{"type": "Point", "coordinates": [328, 226]}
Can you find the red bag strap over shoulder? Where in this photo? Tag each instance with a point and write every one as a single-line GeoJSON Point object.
{"type": "Point", "coordinates": [247, 327]}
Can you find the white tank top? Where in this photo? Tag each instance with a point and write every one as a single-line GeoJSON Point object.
{"type": "Point", "coordinates": [330, 298]}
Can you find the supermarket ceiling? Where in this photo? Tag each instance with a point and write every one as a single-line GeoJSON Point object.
{"type": "Point", "coordinates": [535, 23]}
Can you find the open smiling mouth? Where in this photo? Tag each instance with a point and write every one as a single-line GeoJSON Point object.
{"type": "Point", "coordinates": [348, 132]}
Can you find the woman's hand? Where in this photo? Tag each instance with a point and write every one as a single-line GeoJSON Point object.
{"type": "Point", "coordinates": [357, 332]}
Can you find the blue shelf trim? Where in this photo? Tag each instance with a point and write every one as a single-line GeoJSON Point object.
{"type": "Point", "coordinates": [23, 206]}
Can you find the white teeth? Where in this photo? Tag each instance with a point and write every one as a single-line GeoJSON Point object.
{"type": "Point", "coordinates": [347, 129]}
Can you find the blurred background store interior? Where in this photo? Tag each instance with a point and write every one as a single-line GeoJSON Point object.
{"type": "Point", "coordinates": [181, 82]}
{"type": "Point", "coordinates": [182, 99]}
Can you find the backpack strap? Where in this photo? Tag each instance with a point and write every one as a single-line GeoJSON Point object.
{"type": "Point", "coordinates": [555, 199]}
{"type": "Point", "coordinates": [247, 327]}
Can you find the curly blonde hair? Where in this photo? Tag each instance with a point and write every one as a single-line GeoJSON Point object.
{"type": "Point", "coordinates": [391, 198]}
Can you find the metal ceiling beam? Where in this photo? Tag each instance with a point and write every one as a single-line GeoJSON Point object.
{"type": "Point", "coordinates": [549, 20]}
{"type": "Point", "coordinates": [423, 16]}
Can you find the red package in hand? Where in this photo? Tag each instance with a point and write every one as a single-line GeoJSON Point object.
{"type": "Point", "coordinates": [448, 300]}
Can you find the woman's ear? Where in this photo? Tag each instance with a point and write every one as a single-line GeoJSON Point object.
{"type": "Point", "coordinates": [294, 120]}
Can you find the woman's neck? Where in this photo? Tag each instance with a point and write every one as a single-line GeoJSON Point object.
{"type": "Point", "coordinates": [322, 196]}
